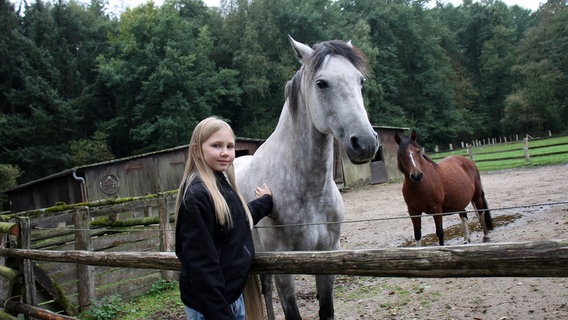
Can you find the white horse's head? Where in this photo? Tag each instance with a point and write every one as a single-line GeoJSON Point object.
{"type": "Point", "coordinates": [331, 79]}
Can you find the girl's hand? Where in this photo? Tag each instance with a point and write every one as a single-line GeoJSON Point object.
{"type": "Point", "coordinates": [262, 190]}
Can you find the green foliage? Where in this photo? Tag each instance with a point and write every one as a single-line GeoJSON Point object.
{"type": "Point", "coordinates": [87, 151]}
{"type": "Point", "coordinates": [161, 302]}
{"type": "Point", "coordinates": [161, 77]}
{"type": "Point", "coordinates": [107, 308]}
{"type": "Point", "coordinates": [162, 285]}
{"type": "Point", "coordinates": [8, 176]}
{"type": "Point", "coordinates": [70, 73]}
{"type": "Point", "coordinates": [540, 102]}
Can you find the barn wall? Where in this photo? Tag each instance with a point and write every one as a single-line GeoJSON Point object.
{"type": "Point", "coordinates": [135, 177]}
{"type": "Point", "coordinates": [355, 175]}
{"type": "Point", "coordinates": [149, 174]}
{"type": "Point", "coordinates": [46, 193]}
{"type": "Point", "coordinates": [390, 148]}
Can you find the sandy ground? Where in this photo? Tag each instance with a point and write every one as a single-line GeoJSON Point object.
{"type": "Point", "coordinates": [527, 205]}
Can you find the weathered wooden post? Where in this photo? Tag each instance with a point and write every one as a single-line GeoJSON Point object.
{"type": "Point", "coordinates": [165, 233]}
{"type": "Point", "coordinates": [27, 268]}
{"type": "Point", "coordinates": [85, 273]}
{"type": "Point", "coordinates": [8, 276]}
{"type": "Point", "coordinates": [526, 147]}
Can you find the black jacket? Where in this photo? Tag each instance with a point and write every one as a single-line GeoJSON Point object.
{"type": "Point", "coordinates": [215, 260]}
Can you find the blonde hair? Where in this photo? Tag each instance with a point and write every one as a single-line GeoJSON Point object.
{"type": "Point", "coordinates": [196, 167]}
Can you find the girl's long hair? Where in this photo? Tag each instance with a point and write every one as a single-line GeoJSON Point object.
{"type": "Point", "coordinates": [254, 307]}
{"type": "Point", "coordinates": [196, 167]}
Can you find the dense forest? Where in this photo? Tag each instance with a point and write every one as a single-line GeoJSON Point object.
{"type": "Point", "coordinates": [80, 84]}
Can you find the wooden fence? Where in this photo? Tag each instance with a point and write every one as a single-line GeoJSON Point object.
{"type": "Point", "coordinates": [62, 260]}
{"type": "Point", "coordinates": [510, 154]}
{"type": "Point", "coordinates": [141, 225]}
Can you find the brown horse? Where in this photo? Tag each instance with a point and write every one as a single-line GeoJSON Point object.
{"type": "Point", "coordinates": [437, 188]}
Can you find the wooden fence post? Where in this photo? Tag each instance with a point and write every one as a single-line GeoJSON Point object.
{"type": "Point", "coordinates": [526, 147]}
{"type": "Point", "coordinates": [27, 268]}
{"type": "Point", "coordinates": [165, 233]}
{"type": "Point", "coordinates": [85, 273]}
{"type": "Point", "coordinates": [470, 152]}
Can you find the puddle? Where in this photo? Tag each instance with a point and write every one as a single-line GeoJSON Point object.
{"type": "Point", "coordinates": [454, 233]}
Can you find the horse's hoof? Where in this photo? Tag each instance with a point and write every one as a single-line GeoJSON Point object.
{"type": "Point", "coordinates": [486, 239]}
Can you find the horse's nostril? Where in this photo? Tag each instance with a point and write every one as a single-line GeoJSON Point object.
{"type": "Point", "coordinates": [355, 143]}
{"type": "Point", "coordinates": [416, 177]}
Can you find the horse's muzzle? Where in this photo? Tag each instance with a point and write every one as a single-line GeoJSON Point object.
{"type": "Point", "coordinates": [362, 149]}
{"type": "Point", "coordinates": [415, 176]}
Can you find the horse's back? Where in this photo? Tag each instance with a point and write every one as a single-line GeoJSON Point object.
{"type": "Point", "coordinates": [458, 165]}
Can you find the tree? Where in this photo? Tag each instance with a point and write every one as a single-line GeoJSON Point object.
{"type": "Point", "coordinates": [8, 176]}
{"type": "Point", "coordinates": [541, 73]}
{"type": "Point", "coordinates": [161, 77]}
{"type": "Point", "coordinates": [88, 151]}
{"type": "Point", "coordinates": [45, 89]}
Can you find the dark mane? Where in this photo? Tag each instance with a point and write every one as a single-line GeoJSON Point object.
{"type": "Point", "coordinates": [339, 48]}
{"type": "Point", "coordinates": [308, 70]}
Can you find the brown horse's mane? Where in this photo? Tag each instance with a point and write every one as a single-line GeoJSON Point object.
{"type": "Point", "coordinates": [308, 70]}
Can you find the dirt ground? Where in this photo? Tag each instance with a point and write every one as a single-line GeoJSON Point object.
{"type": "Point", "coordinates": [527, 205]}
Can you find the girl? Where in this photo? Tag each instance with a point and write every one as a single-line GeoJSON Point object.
{"type": "Point", "coordinates": [213, 227]}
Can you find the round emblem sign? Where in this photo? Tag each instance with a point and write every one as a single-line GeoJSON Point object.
{"type": "Point", "coordinates": [109, 184]}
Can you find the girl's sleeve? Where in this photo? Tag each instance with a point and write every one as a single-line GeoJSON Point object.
{"type": "Point", "coordinates": [199, 256]}
{"type": "Point", "coordinates": [260, 208]}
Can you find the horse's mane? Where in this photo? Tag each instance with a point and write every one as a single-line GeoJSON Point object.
{"type": "Point", "coordinates": [404, 145]}
{"type": "Point", "coordinates": [308, 70]}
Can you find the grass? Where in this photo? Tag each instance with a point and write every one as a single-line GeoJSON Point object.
{"type": "Point", "coordinates": [491, 157]}
{"type": "Point", "coordinates": [160, 303]}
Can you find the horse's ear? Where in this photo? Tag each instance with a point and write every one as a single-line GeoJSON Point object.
{"type": "Point", "coordinates": [302, 51]}
{"type": "Point", "coordinates": [413, 135]}
{"type": "Point", "coordinates": [350, 44]}
{"type": "Point", "coordinates": [397, 138]}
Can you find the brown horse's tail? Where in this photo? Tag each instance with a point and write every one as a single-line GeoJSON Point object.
{"type": "Point", "coordinates": [487, 215]}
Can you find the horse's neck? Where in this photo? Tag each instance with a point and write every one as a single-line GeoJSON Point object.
{"type": "Point", "coordinates": [299, 139]}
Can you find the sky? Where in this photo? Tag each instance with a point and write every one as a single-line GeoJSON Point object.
{"type": "Point", "coordinates": [528, 4]}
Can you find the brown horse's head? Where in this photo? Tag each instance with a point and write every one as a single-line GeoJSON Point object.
{"type": "Point", "coordinates": [410, 157]}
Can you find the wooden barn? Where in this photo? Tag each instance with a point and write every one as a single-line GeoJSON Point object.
{"type": "Point", "coordinates": [161, 171]}
{"type": "Point", "coordinates": [139, 175]}
{"type": "Point", "coordinates": [383, 167]}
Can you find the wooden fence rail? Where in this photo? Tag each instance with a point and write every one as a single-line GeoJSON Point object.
{"type": "Point", "coordinates": [515, 259]}
{"type": "Point", "coordinates": [523, 152]}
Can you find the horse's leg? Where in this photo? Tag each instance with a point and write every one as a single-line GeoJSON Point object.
{"type": "Point", "coordinates": [439, 227]}
{"type": "Point", "coordinates": [266, 281]}
{"type": "Point", "coordinates": [324, 285]}
{"type": "Point", "coordinates": [463, 218]}
{"type": "Point", "coordinates": [287, 293]}
{"type": "Point", "coordinates": [486, 218]}
{"type": "Point", "coordinates": [417, 224]}
{"type": "Point", "coordinates": [482, 210]}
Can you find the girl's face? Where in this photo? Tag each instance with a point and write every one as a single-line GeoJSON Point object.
{"type": "Point", "coordinates": [219, 150]}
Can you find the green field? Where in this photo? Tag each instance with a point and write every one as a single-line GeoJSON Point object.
{"type": "Point", "coordinates": [497, 157]}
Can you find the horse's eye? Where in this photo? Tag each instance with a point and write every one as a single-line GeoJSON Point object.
{"type": "Point", "coordinates": [322, 84]}
{"type": "Point", "coordinates": [363, 80]}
